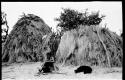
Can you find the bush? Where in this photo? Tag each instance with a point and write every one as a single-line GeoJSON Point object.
{"type": "Point", "coordinates": [71, 19]}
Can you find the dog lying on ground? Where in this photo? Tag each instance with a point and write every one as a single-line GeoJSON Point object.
{"type": "Point", "coordinates": [84, 69]}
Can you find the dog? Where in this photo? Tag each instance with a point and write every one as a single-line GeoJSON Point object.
{"type": "Point", "coordinates": [84, 69]}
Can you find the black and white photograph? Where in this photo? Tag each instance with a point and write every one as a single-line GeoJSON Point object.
{"type": "Point", "coordinates": [62, 40]}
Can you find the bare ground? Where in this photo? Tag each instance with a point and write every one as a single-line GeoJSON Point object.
{"type": "Point", "coordinates": [27, 71]}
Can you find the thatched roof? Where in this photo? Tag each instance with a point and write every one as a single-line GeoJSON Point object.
{"type": "Point", "coordinates": [92, 45]}
{"type": "Point", "coordinates": [25, 40]}
{"type": "Point", "coordinates": [50, 45]}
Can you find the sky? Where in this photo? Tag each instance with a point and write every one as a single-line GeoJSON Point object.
{"type": "Point", "coordinates": [48, 11]}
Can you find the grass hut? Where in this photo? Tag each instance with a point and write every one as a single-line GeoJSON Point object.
{"type": "Point", "coordinates": [90, 45]}
{"type": "Point", "coordinates": [24, 43]}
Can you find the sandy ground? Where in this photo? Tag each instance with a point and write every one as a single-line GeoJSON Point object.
{"type": "Point", "coordinates": [27, 71]}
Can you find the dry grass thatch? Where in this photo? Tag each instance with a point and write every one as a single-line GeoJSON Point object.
{"type": "Point", "coordinates": [50, 46]}
{"type": "Point", "coordinates": [24, 42]}
{"type": "Point", "coordinates": [92, 45]}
